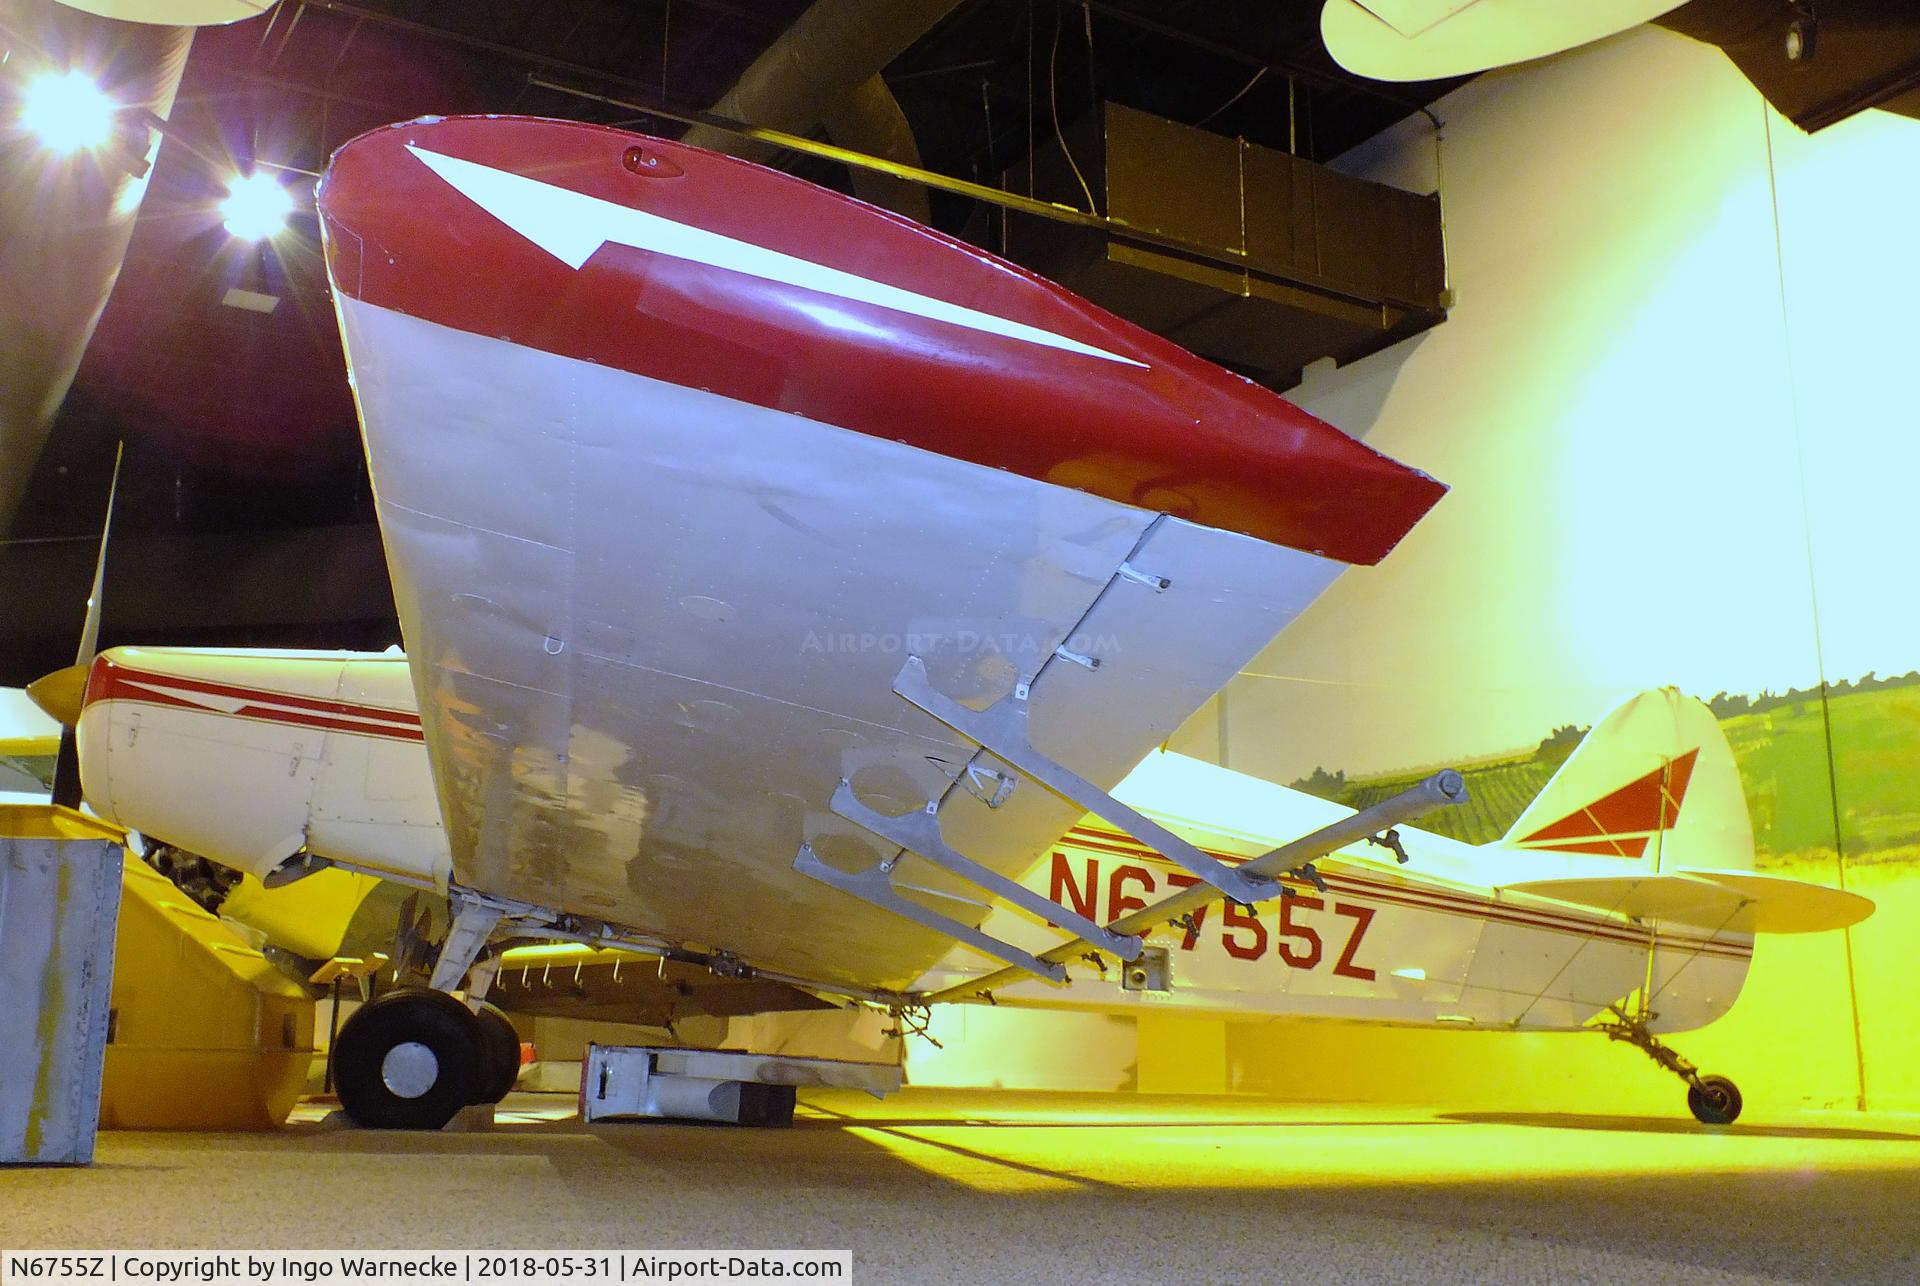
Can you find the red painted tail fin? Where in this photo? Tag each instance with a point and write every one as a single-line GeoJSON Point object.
{"type": "Point", "coordinates": [1654, 783]}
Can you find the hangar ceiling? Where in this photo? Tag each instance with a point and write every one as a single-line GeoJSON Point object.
{"type": "Point", "coordinates": [243, 516]}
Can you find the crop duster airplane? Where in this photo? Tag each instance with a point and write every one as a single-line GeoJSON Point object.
{"type": "Point", "coordinates": [783, 580]}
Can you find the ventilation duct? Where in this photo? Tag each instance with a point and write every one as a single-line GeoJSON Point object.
{"type": "Point", "coordinates": [825, 70]}
{"type": "Point", "coordinates": [869, 120]}
{"type": "Point", "coordinates": [1254, 258]}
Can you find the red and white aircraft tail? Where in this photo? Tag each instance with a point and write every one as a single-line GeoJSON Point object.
{"type": "Point", "coordinates": [1648, 819]}
{"type": "Point", "coordinates": [1622, 792]}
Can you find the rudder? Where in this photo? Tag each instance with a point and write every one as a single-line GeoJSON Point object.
{"type": "Point", "coordinates": [1654, 784]}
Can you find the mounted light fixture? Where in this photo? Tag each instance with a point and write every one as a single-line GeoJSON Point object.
{"type": "Point", "coordinates": [67, 112]}
{"type": "Point", "coordinates": [256, 206]}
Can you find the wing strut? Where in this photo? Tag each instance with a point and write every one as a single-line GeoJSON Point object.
{"type": "Point", "coordinates": [875, 885]}
{"type": "Point", "coordinates": [1002, 728]}
{"type": "Point", "coordinates": [1445, 787]}
{"type": "Point", "coordinates": [920, 832]}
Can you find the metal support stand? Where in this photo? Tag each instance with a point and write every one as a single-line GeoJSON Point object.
{"type": "Point", "coordinates": [633, 1081]}
{"type": "Point", "coordinates": [333, 1036]}
{"type": "Point", "coordinates": [473, 923]}
{"type": "Point", "coordinates": [333, 975]}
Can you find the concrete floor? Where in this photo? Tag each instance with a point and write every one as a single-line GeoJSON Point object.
{"type": "Point", "coordinates": [993, 1186]}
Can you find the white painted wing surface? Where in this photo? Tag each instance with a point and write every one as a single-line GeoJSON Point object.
{"type": "Point", "coordinates": [653, 627]}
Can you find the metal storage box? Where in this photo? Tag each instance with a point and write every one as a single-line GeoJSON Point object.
{"type": "Point", "coordinates": [59, 906]}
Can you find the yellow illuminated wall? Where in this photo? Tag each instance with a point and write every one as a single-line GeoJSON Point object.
{"type": "Point", "coordinates": [1674, 401]}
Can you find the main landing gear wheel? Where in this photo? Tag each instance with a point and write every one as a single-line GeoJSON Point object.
{"type": "Point", "coordinates": [1714, 1100]}
{"type": "Point", "coordinates": [499, 1055]}
{"type": "Point", "coordinates": [409, 1060]}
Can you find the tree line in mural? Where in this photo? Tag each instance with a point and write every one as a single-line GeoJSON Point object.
{"type": "Point", "coordinates": [1799, 796]}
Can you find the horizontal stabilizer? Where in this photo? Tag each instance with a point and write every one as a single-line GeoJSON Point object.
{"type": "Point", "coordinates": [1792, 906]}
{"type": "Point", "coordinates": [1730, 901]}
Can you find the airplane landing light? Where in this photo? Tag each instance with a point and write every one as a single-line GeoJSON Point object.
{"type": "Point", "coordinates": [67, 112]}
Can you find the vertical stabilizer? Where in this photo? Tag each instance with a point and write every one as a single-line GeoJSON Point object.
{"type": "Point", "coordinates": [1653, 784]}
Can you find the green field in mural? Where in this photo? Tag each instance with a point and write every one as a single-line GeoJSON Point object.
{"type": "Point", "coordinates": [1781, 746]}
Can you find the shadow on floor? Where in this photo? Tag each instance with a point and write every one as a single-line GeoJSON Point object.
{"type": "Point", "coordinates": [827, 1120]}
{"type": "Point", "coordinates": [1669, 1125]}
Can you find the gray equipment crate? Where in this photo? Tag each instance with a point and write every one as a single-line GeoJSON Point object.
{"type": "Point", "coordinates": [59, 907]}
{"type": "Point", "coordinates": [637, 1081]}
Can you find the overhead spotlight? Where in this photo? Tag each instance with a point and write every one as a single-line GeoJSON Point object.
{"type": "Point", "coordinates": [67, 112]}
{"type": "Point", "coordinates": [256, 206]}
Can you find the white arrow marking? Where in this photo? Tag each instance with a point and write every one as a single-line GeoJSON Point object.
{"type": "Point", "coordinates": [571, 226]}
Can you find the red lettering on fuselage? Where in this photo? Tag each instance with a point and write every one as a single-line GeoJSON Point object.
{"type": "Point", "coordinates": [1119, 901]}
{"type": "Point", "coordinates": [1295, 935]}
{"type": "Point", "coordinates": [1302, 957]}
{"type": "Point", "coordinates": [1361, 916]}
{"type": "Point", "coordinates": [1061, 885]}
{"type": "Point", "coordinates": [1234, 917]}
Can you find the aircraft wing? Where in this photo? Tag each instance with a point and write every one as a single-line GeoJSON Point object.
{"type": "Point", "coordinates": [29, 740]}
{"type": "Point", "coordinates": [678, 460]}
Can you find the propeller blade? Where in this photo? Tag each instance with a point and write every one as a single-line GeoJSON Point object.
{"type": "Point", "coordinates": [66, 771]}
{"type": "Point", "coordinates": [90, 631]}
{"type": "Point", "coordinates": [64, 691]}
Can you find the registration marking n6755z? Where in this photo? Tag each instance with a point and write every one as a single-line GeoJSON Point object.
{"type": "Point", "coordinates": [1300, 937]}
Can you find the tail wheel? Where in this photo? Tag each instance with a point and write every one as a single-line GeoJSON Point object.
{"type": "Point", "coordinates": [408, 1060]}
{"type": "Point", "coordinates": [1714, 1100]}
{"type": "Point", "coordinates": [499, 1055]}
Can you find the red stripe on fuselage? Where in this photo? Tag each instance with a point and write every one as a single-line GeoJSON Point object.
{"type": "Point", "coordinates": [1429, 898]}
{"type": "Point", "coordinates": [1125, 846]}
{"type": "Point", "coordinates": [109, 680]}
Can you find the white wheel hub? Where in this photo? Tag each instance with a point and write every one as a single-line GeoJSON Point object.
{"type": "Point", "coordinates": [409, 1069]}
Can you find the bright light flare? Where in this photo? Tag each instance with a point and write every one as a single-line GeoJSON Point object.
{"type": "Point", "coordinates": [256, 206]}
{"type": "Point", "coordinates": [67, 112]}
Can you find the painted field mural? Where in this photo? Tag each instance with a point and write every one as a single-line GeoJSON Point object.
{"type": "Point", "coordinates": [1780, 743]}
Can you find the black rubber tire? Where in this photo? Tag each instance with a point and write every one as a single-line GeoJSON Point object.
{"type": "Point", "coordinates": [768, 1106]}
{"type": "Point", "coordinates": [1714, 1101]}
{"type": "Point", "coordinates": [448, 1030]}
{"type": "Point", "coordinates": [499, 1055]}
